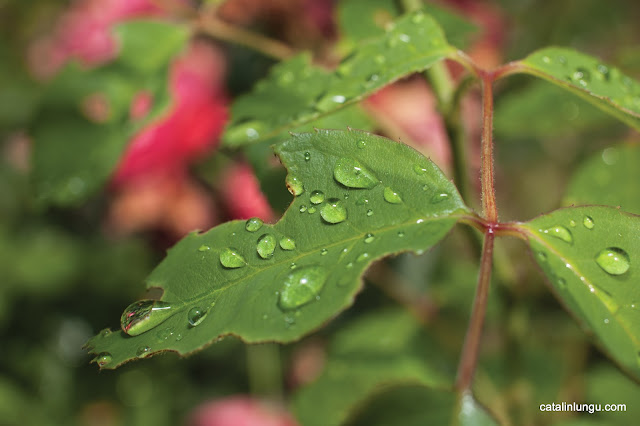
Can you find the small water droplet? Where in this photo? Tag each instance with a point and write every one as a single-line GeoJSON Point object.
{"type": "Point", "coordinates": [582, 76]}
{"type": "Point", "coordinates": [417, 18]}
{"type": "Point", "coordinates": [542, 256]}
{"type": "Point", "coordinates": [606, 321]}
{"type": "Point", "coordinates": [562, 60]}
{"type": "Point", "coordinates": [231, 258]}
{"type": "Point", "coordinates": [301, 287]}
{"type": "Point", "coordinates": [316, 197]}
{"type": "Point", "coordinates": [572, 223]}
{"type": "Point", "coordinates": [369, 238]}
{"type": "Point", "coordinates": [311, 210]}
{"type": "Point", "coordinates": [371, 80]}
{"type": "Point", "coordinates": [287, 243]}
{"type": "Point", "coordinates": [143, 351]}
{"type": "Point", "coordinates": [103, 359]}
{"type": "Point", "coordinates": [379, 59]}
{"type": "Point", "coordinates": [613, 260]}
{"type": "Point", "coordinates": [204, 248]}
{"type": "Point", "coordinates": [546, 59]}
{"type": "Point", "coordinates": [266, 246]}
{"type": "Point", "coordinates": [401, 234]}
{"type": "Point", "coordinates": [164, 334]}
{"type": "Point", "coordinates": [294, 185]}
{"type": "Point", "coordinates": [333, 211]}
{"type": "Point", "coordinates": [349, 265]}
{"type": "Point", "coordinates": [588, 222]}
{"type": "Point", "coordinates": [362, 201]}
{"type": "Point", "coordinates": [323, 252]}
{"type": "Point", "coordinates": [253, 224]}
{"type": "Point", "coordinates": [369, 213]}
{"type": "Point", "coordinates": [602, 72]}
{"type": "Point", "coordinates": [390, 196]}
{"type": "Point", "coordinates": [246, 131]}
{"type": "Point", "coordinates": [307, 156]}
{"type": "Point", "coordinates": [562, 283]}
{"type": "Point", "coordinates": [303, 208]}
{"type": "Point", "coordinates": [560, 232]}
{"type": "Point", "coordinates": [105, 332]}
{"type": "Point", "coordinates": [293, 265]}
{"type": "Point", "coordinates": [419, 169]}
{"type": "Point", "coordinates": [352, 174]}
{"type": "Point", "coordinates": [329, 101]}
{"type": "Point", "coordinates": [361, 144]}
{"type": "Point", "coordinates": [195, 316]}
{"type": "Point", "coordinates": [143, 315]}
{"type": "Point", "coordinates": [425, 187]}
{"type": "Point", "coordinates": [439, 197]}
{"type": "Point", "coordinates": [178, 337]}
{"type": "Point", "coordinates": [363, 257]}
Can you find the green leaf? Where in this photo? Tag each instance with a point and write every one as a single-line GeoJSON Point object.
{"type": "Point", "coordinates": [376, 351]}
{"type": "Point", "coordinates": [603, 85]}
{"type": "Point", "coordinates": [359, 197]}
{"type": "Point", "coordinates": [414, 404]}
{"type": "Point", "coordinates": [303, 93]}
{"type": "Point", "coordinates": [73, 155]}
{"type": "Point", "coordinates": [609, 177]}
{"type": "Point", "coordinates": [591, 257]}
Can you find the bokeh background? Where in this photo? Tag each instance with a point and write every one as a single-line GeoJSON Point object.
{"type": "Point", "coordinates": [74, 252]}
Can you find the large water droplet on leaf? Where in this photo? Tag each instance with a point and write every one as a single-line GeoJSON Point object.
{"type": "Point", "coordinates": [253, 224]}
{"type": "Point", "coordinates": [613, 260]}
{"type": "Point", "coordinates": [588, 222]}
{"type": "Point", "coordinates": [352, 174]}
{"type": "Point", "coordinates": [302, 286]}
{"type": "Point", "coordinates": [266, 246]}
{"type": "Point", "coordinates": [195, 316]}
{"type": "Point", "coordinates": [560, 232]}
{"type": "Point", "coordinates": [287, 243]}
{"type": "Point", "coordinates": [143, 315]}
{"type": "Point", "coordinates": [333, 211]}
{"type": "Point", "coordinates": [204, 248]}
{"type": "Point", "coordinates": [316, 197]}
{"type": "Point", "coordinates": [330, 101]}
{"type": "Point", "coordinates": [391, 196]}
{"type": "Point", "coordinates": [103, 359]}
{"type": "Point", "coordinates": [294, 185]}
{"type": "Point", "coordinates": [230, 258]}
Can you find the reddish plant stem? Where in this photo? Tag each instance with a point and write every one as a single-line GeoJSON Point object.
{"type": "Point", "coordinates": [489, 207]}
{"type": "Point", "coordinates": [470, 350]}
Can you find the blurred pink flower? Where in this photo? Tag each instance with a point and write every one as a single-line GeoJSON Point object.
{"type": "Point", "coordinates": [240, 411]}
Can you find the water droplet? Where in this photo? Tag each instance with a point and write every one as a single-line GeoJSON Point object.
{"type": "Point", "coordinates": [307, 156]}
{"type": "Point", "coordinates": [379, 59]}
{"type": "Point", "coordinates": [361, 144]}
{"type": "Point", "coordinates": [560, 232]}
{"type": "Point", "coordinates": [606, 321]}
{"type": "Point", "coordinates": [371, 80]}
{"type": "Point", "coordinates": [287, 243]}
{"type": "Point", "coordinates": [613, 260]}
{"type": "Point", "coordinates": [333, 211]}
{"type": "Point", "coordinates": [103, 359]}
{"type": "Point", "coordinates": [294, 185]}
{"type": "Point", "coordinates": [293, 265]}
{"type": "Point", "coordinates": [303, 208]}
{"type": "Point", "coordinates": [323, 252]}
{"type": "Point", "coordinates": [329, 101]}
{"type": "Point", "coordinates": [204, 248]}
{"type": "Point", "coordinates": [143, 351]}
{"type": "Point", "coordinates": [316, 197]}
{"type": "Point", "coordinates": [286, 78]}
{"type": "Point", "coordinates": [390, 196]}
{"type": "Point", "coordinates": [602, 72]}
{"type": "Point", "coordinates": [143, 315]}
{"type": "Point", "coordinates": [311, 210]}
{"type": "Point", "coordinates": [253, 224]}
{"type": "Point", "coordinates": [572, 223]}
{"type": "Point", "coordinates": [195, 316]}
{"type": "Point", "coordinates": [369, 213]}
{"type": "Point", "coordinates": [266, 246]}
{"type": "Point", "coordinates": [362, 200]}
{"type": "Point", "coordinates": [230, 258]}
{"type": "Point", "coordinates": [425, 187]}
{"type": "Point", "coordinates": [369, 238]}
{"type": "Point", "coordinates": [562, 283]}
{"type": "Point", "coordinates": [419, 169]}
{"type": "Point", "coordinates": [301, 287]}
{"type": "Point", "coordinates": [164, 334]}
{"type": "Point", "coordinates": [439, 197]}
{"type": "Point", "coordinates": [178, 337]}
{"type": "Point", "coordinates": [582, 76]}
{"type": "Point", "coordinates": [562, 60]}
{"type": "Point", "coordinates": [546, 59]}
{"type": "Point", "coordinates": [363, 257]}
{"type": "Point", "coordinates": [542, 256]}
{"type": "Point", "coordinates": [246, 131]}
{"type": "Point", "coordinates": [588, 222]}
{"type": "Point", "coordinates": [401, 234]}
{"type": "Point", "coordinates": [352, 174]}
{"type": "Point", "coordinates": [105, 332]}
{"type": "Point", "coordinates": [349, 265]}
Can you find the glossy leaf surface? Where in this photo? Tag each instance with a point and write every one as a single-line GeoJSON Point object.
{"type": "Point", "coordinates": [233, 279]}
{"type": "Point", "coordinates": [304, 93]}
{"type": "Point", "coordinates": [603, 85]}
{"type": "Point", "coordinates": [74, 151]}
{"type": "Point", "coordinates": [374, 352]}
{"type": "Point", "coordinates": [609, 177]}
{"type": "Point", "coordinates": [590, 256]}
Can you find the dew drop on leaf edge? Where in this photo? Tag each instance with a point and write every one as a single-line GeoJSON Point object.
{"type": "Point", "coordinates": [294, 185]}
{"type": "Point", "coordinates": [143, 315]}
{"type": "Point", "coordinates": [301, 286]}
{"type": "Point", "coordinates": [103, 359]}
{"type": "Point", "coordinates": [253, 224]}
{"type": "Point", "coordinates": [143, 351]}
{"type": "Point", "coordinates": [613, 260]}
